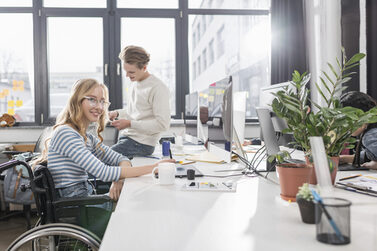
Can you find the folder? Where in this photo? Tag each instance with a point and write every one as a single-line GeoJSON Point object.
{"type": "Point", "coordinates": [206, 157]}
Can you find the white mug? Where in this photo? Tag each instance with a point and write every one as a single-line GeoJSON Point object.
{"type": "Point", "coordinates": [166, 173]}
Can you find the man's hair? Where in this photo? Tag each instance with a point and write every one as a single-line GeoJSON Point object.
{"type": "Point", "coordinates": [358, 100]}
{"type": "Point", "coordinates": [135, 55]}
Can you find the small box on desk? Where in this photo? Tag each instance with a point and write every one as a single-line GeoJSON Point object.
{"type": "Point", "coordinates": [10, 151]}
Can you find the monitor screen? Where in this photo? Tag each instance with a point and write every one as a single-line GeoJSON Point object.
{"type": "Point", "coordinates": [215, 97]}
{"type": "Point", "coordinates": [191, 105]}
{"type": "Point", "coordinates": [266, 94]}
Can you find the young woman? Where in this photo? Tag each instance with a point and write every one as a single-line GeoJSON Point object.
{"type": "Point", "coordinates": [366, 149]}
{"type": "Point", "coordinates": [73, 153]}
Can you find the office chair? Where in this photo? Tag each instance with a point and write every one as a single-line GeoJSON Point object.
{"type": "Point", "coordinates": [64, 223]}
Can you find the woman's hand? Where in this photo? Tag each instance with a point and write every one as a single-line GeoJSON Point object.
{"type": "Point", "coordinates": [115, 189]}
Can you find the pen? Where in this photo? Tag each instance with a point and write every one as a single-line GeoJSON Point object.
{"type": "Point", "coordinates": [350, 177]}
{"type": "Point", "coordinates": [228, 186]}
{"type": "Point", "coordinates": [171, 156]}
{"type": "Point", "coordinates": [185, 163]}
{"type": "Point", "coordinates": [331, 221]}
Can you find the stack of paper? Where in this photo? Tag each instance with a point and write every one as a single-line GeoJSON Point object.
{"type": "Point", "coordinates": [366, 184]}
{"type": "Point", "coordinates": [206, 157]}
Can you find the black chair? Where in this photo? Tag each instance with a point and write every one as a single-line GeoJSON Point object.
{"type": "Point", "coordinates": [63, 216]}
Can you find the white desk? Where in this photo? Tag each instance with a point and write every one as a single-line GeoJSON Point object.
{"type": "Point", "coordinates": [165, 218]}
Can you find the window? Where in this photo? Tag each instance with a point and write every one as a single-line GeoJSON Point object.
{"type": "Point", "coordinates": [220, 42]}
{"type": "Point", "coordinates": [17, 66]}
{"type": "Point", "coordinates": [13, 3]}
{"type": "Point", "coordinates": [242, 51]}
{"type": "Point", "coordinates": [193, 40]}
{"type": "Point", "coordinates": [210, 18]}
{"type": "Point", "coordinates": [229, 4]}
{"type": "Point", "coordinates": [204, 57]}
{"type": "Point", "coordinates": [211, 52]}
{"type": "Point", "coordinates": [82, 39]}
{"type": "Point", "coordinates": [74, 52]}
{"type": "Point", "coordinates": [75, 3]}
{"type": "Point", "coordinates": [204, 24]}
{"type": "Point", "coordinates": [198, 32]}
{"type": "Point", "coordinates": [158, 39]}
{"type": "Point", "coordinates": [194, 71]}
{"type": "Point", "coordinates": [150, 4]}
{"type": "Point", "coordinates": [199, 62]}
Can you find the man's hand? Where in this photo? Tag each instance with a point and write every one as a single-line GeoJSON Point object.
{"type": "Point", "coordinates": [371, 165]}
{"type": "Point", "coordinates": [112, 115]}
{"type": "Point", "coordinates": [121, 124]}
{"type": "Point", "coordinates": [115, 189]}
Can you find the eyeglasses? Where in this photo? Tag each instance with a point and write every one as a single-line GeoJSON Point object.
{"type": "Point", "coordinates": [93, 102]}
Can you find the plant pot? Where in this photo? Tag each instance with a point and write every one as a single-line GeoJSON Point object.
{"type": "Point", "coordinates": [307, 210]}
{"type": "Point", "coordinates": [313, 177]}
{"type": "Point", "coordinates": [291, 177]}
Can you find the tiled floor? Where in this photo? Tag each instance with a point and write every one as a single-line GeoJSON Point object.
{"type": "Point", "coordinates": [11, 228]}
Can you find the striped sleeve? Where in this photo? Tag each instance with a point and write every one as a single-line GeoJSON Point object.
{"type": "Point", "coordinates": [71, 144]}
{"type": "Point", "coordinates": [105, 153]}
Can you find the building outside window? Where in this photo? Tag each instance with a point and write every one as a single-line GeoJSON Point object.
{"type": "Point", "coordinates": [236, 45]}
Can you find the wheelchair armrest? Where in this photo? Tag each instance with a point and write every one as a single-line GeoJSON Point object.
{"type": "Point", "coordinates": [82, 201]}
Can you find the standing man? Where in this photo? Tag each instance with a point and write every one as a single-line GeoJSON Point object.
{"type": "Point", "coordinates": [148, 110]}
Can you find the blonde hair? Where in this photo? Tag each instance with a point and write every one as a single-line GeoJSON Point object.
{"type": "Point", "coordinates": [135, 55]}
{"type": "Point", "coordinates": [72, 114]}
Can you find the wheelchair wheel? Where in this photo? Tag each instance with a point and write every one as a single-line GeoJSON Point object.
{"type": "Point", "coordinates": [56, 236]}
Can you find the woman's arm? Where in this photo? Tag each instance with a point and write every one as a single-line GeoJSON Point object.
{"type": "Point", "coordinates": [128, 172]}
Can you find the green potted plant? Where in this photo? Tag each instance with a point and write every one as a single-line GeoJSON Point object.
{"type": "Point", "coordinates": [334, 123]}
{"type": "Point", "coordinates": [292, 174]}
{"type": "Point", "coordinates": [305, 203]}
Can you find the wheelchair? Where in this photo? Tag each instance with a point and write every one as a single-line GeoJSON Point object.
{"type": "Point", "coordinates": [64, 223]}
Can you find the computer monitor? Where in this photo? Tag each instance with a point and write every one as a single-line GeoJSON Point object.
{"type": "Point", "coordinates": [191, 105]}
{"type": "Point", "coordinates": [268, 134]}
{"type": "Point", "coordinates": [215, 98]}
{"type": "Point", "coordinates": [191, 116]}
{"type": "Point", "coordinates": [195, 102]}
{"type": "Point", "coordinates": [266, 98]}
{"type": "Point", "coordinates": [230, 117]}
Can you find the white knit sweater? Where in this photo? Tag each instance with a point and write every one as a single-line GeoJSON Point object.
{"type": "Point", "coordinates": [148, 109]}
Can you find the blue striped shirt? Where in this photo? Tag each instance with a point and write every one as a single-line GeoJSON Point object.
{"type": "Point", "coordinates": [70, 159]}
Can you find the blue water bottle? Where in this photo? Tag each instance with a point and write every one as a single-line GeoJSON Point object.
{"type": "Point", "coordinates": [165, 149]}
